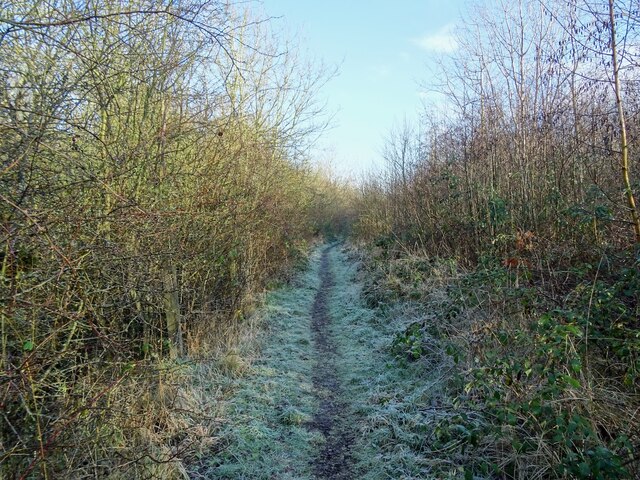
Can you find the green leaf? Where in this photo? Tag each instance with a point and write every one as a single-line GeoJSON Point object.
{"type": "Point", "coordinates": [28, 346]}
{"type": "Point", "coordinates": [576, 365]}
{"type": "Point", "coordinates": [584, 469]}
{"type": "Point", "coordinates": [574, 382]}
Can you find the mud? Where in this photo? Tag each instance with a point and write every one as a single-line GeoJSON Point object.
{"type": "Point", "coordinates": [332, 419]}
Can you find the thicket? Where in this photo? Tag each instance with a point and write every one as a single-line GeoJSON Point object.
{"type": "Point", "coordinates": [522, 183]}
{"type": "Point", "coordinates": [153, 179]}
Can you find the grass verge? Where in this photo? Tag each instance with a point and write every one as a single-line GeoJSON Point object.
{"type": "Point", "coordinates": [271, 400]}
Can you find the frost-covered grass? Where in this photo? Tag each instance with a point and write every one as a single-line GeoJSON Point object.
{"type": "Point", "coordinates": [396, 404]}
{"type": "Point", "coordinates": [265, 433]}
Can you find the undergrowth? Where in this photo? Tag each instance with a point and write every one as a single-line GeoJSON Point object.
{"type": "Point", "coordinates": [542, 365]}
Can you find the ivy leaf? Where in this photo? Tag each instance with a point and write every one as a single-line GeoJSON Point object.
{"type": "Point", "coordinates": [576, 365]}
{"type": "Point", "coordinates": [585, 470]}
{"type": "Point", "coordinates": [574, 382]}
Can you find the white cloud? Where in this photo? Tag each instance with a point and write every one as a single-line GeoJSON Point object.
{"type": "Point", "coordinates": [442, 41]}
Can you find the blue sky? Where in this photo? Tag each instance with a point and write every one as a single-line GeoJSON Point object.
{"type": "Point", "coordinates": [384, 50]}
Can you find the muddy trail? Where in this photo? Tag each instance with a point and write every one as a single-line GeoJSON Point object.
{"type": "Point", "coordinates": [334, 460]}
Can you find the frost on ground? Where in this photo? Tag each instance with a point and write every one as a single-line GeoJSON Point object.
{"type": "Point", "coordinates": [267, 412]}
{"type": "Point", "coordinates": [327, 397]}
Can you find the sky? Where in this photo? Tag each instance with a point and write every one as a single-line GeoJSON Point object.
{"type": "Point", "coordinates": [385, 52]}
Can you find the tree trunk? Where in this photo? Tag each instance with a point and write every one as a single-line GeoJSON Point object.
{"type": "Point", "coordinates": [172, 311]}
{"type": "Point", "coordinates": [624, 147]}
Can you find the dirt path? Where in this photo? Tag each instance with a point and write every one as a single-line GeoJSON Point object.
{"type": "Point", "coordinates": [331, 419]}
{"type": "Point", "coordinates": [324, 396]}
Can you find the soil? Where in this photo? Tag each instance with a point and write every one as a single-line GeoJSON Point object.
{"type": "Point", "coordinates": [334, 459]}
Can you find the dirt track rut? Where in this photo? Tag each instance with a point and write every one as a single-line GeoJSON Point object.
{"type": "Point", "coordinates": [331, 419]}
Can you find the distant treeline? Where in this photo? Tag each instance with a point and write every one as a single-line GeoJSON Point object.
{"type": "Point", "coordinates": [523, 134]}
